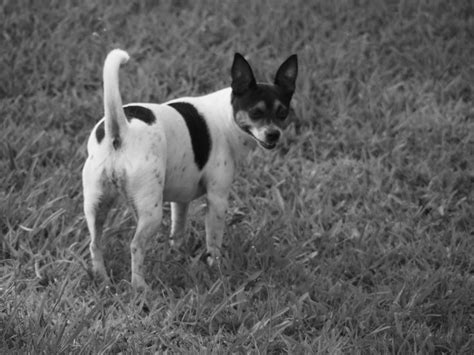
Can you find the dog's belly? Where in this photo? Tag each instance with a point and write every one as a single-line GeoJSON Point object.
{"type": "Point", "coordinates": [182, 188]}
{"type": "Point", "coordinates": [183, 180]}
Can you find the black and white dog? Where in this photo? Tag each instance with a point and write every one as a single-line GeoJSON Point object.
{"type": "Point", "coordinates": [177, 151]}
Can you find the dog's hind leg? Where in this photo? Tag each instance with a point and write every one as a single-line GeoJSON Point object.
{"type": "Point", "coordinates": [179, 211]}
{"type": "Point", "coordinates": [98, 199]}
{"type": "Point", "coordinates": [148, 202]}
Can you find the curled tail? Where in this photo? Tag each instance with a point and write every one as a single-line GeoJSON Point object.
{"type": "Point", "coordinates": [115, 119]}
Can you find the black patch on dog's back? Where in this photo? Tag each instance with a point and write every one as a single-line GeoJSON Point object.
{"type": "Point", "coordinates": [139, 112]}
{"type": "Point", "coordinates": [198, 131]}
{"type": "Point", "coordinates": [100, 132]}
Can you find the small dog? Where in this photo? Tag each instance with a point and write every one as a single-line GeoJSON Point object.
{"type": "Point", "coordinates": [177, 152]}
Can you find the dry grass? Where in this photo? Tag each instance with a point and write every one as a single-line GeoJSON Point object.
{"type": "Point", "coordinates": [355, 237]}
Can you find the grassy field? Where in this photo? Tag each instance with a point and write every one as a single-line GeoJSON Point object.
{"type": "Point", "coordinates": [356, 236]}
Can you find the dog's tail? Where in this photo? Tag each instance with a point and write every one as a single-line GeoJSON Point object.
{"type": "Point", "coordinates": [115, 119]}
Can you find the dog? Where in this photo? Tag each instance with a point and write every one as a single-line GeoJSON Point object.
{"type": "Point", "coordinates": [177, 151]}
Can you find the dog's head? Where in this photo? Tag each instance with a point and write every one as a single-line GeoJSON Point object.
{"type": "Point", "coordinates": [261, 109]}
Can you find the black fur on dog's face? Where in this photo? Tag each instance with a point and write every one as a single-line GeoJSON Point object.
{"type": "Point", "coordinates": [261, 109]}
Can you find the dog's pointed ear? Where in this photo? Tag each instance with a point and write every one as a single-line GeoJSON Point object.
{"type": "Point", "coordinates": [286, 74]}
{"type": "Point", "coordinates": [242, 75]}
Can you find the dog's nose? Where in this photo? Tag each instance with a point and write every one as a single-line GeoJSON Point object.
{"type": "Point", "coordinates": [273, 136]}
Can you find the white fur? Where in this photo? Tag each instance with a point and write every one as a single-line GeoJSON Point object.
{"type": "Point", "coordinates": [112, 98]}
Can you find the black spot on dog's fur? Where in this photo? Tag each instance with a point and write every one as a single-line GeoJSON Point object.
{"type": "Point", "coordinates": [139, 112]}
{"type": "Point", "coordinates": [198, 130]}
{"type": "Point", "coordinates": [100, 132]}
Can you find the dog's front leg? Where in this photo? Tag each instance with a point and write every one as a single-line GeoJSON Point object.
{"type": "Point", "coordinates": [179, 211]}
{"type": "Point", "coordinates": [215, 222]}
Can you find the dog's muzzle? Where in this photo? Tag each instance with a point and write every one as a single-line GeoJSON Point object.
{"type": "Point", "coordinates": [271, 138]}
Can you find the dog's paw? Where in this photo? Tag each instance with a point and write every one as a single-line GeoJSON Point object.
{"type": "Point", "coordinates": [100, 276]}
{"type": "Point", "coordinates": [213, 258]}
{"type": "Point", "coordinates": [138, 283]}
{"type": "Point", "coordinates": [176, 243]}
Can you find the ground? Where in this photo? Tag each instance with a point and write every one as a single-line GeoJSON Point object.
{"type": "Point", "coordinates": [355, 236]}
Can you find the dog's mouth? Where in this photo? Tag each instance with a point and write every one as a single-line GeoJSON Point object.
{"type": "Point", "coordinates": [266, 145]}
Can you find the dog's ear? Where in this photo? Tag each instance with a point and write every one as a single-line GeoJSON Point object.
{"type": "Point", "coordinates": [286, 74]}
{"type": "Point", "coordinates": [242, 75]}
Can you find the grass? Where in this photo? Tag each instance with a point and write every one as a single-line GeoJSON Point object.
{"type": "Point", "coordinates": [354, 237]}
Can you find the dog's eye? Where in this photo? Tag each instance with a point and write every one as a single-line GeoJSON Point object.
{"type": "Point", "coordinates": [282, 113]}
{"type": "Point", "coordinates": [256, 113]}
